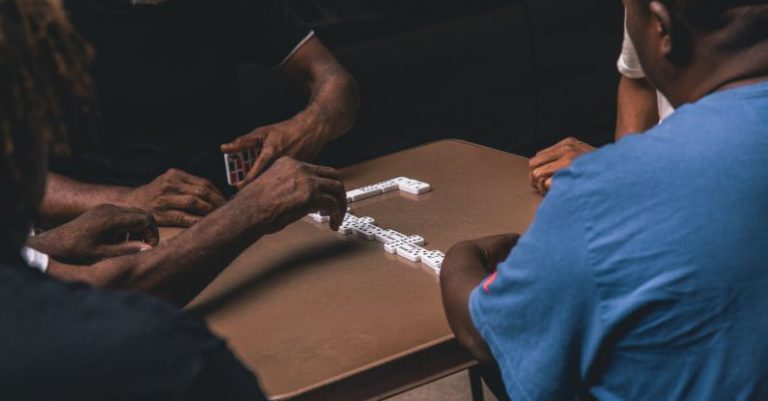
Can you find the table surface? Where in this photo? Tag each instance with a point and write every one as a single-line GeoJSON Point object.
{"type": "Point", "coordinates": [308, 308]}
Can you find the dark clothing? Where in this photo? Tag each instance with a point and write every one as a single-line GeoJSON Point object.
{"type": "Point", "coordinates": [167, 81]}
{"type": "Point", "coordinates": [70, 342]}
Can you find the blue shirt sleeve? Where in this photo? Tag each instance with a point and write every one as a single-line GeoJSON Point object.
{"type": "Point", "coordinates": [536, 313]}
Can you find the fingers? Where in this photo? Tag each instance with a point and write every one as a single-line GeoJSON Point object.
{"type": "Point", "coordinates": [263, 161]}
{"type": "Point", "coordinates": [330, 203]}
{"type": "Point", "coordinates": [334, 189]}
{"type": "Point", "coordinates": [125, 248]}
{"type": "Point", "coordinates": [186, 203]}
{"type": "Point", "coordinates": [199, 187]}
{"type": "Point", "coordinates": [542, 174]}
{"type": "Point", "coordinates": [203, 194]}
{"type": "Point", "coordinates": [496, 248]}
{"type": "Point", "coordinates": [325, 172]}
{"type": "Point", "coordinates": [548, 184]}
{"type": "Point", "coordinates": [551, 153]}
{"type": "Point", "coordinates": [136, 225]}
{"type": "Point", "coordinates": [177, 218]}
{"type": "Point", "coordinates": [253, 140]}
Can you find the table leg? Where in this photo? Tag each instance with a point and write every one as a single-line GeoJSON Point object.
{"type": "Point", "coordinates": [476, 384]}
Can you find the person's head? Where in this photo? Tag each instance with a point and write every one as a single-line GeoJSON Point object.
{"type": "Point", "coordinates": [44, 89]}
{"type": "Point", "coordinates": [689, 48]}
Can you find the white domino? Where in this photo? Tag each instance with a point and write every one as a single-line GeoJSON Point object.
{"type": "Point", "coordinates": [318, 217]}
{"type": "Point", "coordinates": [367, 220]}
{"type": "Point", "coordinates": [387, 236]}
{"type": "Point", "coordinates": [415, 187]}
{"type": "Point", "coordinates": [404, 184]}
{"type": "Point", "coordinates": [433, 259]}
{"type": "Point", "coordinates": [363, 193]}
{"type": "Point", "coordinates": [416, 240]}
{"type": "Point", "coordinates": [345, 227]}
{"type": "Point", "coordinates": [408, 247]}
{"type": "Point", "coordinates": [391, 247]}
{"type": "Point", "coordinates": [367, 231]}
{"type": "Point", "coordinates": [388, 186]}
{"type": "Point", "coordinates": [410, 251]}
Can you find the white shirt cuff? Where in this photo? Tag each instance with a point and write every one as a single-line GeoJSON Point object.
{"type": "Point", "coordinates": [35, 259]}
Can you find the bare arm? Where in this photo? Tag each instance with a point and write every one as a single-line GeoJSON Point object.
{"type": "Point", "coordinates": [176, 198]}
{"type": "Point", "coordinates": [179, 269]}
{"type": "Point", "coordinates": [637, 107]}
{"type": "Point", "coordinates": [331, 112]}
{"type": "Point", "coordinates": [466, 266]}
{"type": "Point", "coordinates": [334, 98]}
{"type": "Point", "coordinates": [66, 198]}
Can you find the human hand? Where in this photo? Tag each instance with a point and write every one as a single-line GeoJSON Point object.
{"type": "Point", "coordinates": [549, 161]}
{"type": "Point", "coordinates": [289, 190]}
{"type": "Point", "coordinates": [489, 251]}
{"type": "Point", "coordinates": [288, 138]}
{"type": "Point", "coordinates": [103, 232]}
{"type": "Point", "coordinates": [176, 198]}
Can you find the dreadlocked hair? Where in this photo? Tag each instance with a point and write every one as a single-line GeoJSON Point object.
{"type": "Point", "coordinates": [44, 85]}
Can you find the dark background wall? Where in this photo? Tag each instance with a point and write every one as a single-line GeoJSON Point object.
{"type": "Point", "coordinates": [513, 75]}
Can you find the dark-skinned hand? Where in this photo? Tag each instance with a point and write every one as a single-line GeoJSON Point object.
{"type": "Point", "coordinates": [549, 161]}
{"type": "Point", "coordinates": [289, 189]}
{"type": "Point", "coordinates": [103, 232]}
{"type": "Point", "coordinates": [176, 198]}
{"type": "Point", "coordinates": [494, 249]}
{"type": "Point", "coordinates": [287, 138]}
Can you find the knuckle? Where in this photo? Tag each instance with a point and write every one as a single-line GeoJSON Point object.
{"type": "Point", "coordinates": [190, 202]}
{"type": "Point", "coordinates": [203, 192]}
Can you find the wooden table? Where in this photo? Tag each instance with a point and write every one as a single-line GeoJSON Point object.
{"type": "Point", "coordinates": [321, 316]}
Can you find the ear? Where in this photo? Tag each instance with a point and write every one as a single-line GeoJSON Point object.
{"type": "Point", "coordinates": [662, 21]}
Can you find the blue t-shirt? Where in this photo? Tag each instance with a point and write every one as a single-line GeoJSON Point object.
{"type": "Point", "coordinates": [645, 273]}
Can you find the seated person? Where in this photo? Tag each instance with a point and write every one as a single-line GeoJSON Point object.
{"type": "Point", "coordinates": [639, 107]}
{"type": "Point", "coordinates": [166, 74]}
{"type": "Point", "coordinates": [643, 275]}
{"type": "Point", "coordinates": [70, 342]}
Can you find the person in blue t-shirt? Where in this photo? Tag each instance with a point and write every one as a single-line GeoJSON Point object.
{"type": "Point", "coordinates": [644, 273]}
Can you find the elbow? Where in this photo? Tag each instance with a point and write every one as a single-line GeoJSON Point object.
{"type": "Point", "coordinates": [471, 341]}
{"type": "Point", "coordinates": [351, 94]}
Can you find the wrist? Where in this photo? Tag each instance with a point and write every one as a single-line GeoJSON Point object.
{"type": "Point", "coordinates": [247, 213]}
{"type": "Point", "coordinates": [120, 196]}
{"type": "Point", "coordinates": [313, 122]}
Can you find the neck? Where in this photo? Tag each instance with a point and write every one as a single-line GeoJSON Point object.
{"type": "Point", "coordinates": [710, 72]}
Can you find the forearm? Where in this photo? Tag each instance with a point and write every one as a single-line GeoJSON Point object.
{"type": "Point", "coordinates": [332, 108]}
{"type": "Point", "coordinates": [637, 107]}
{"type": "Point", "coordinates": [464, 269]}
{"type": "Point", "coordinates": [334, 97]}
{"type": "Point", "coordinates": [66, 198]}
{"type": "Point", "coordinates": [180, 268]}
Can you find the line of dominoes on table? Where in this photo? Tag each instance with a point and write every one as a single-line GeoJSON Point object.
{"type": "Point", "coordinates": [396, 243]}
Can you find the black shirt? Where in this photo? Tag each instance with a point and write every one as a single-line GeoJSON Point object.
{"type": "Point", "coordinates": [167, 81]}
{"type": "Point", "coordinates": [70, 342]}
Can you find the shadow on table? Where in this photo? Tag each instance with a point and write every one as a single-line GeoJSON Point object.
{"type": "Point", "coordinates": [286, 265]}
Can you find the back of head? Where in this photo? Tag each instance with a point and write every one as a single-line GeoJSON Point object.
{"type": "Point", "coordinates": [739, 23]}
{"type": "Point", "coordinates": [690, 48]}
{"type": "Point", "coordinates": [43, 92]}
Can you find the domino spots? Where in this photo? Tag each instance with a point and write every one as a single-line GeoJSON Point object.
{"type": "Point", "coordinates": [404, 184]}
